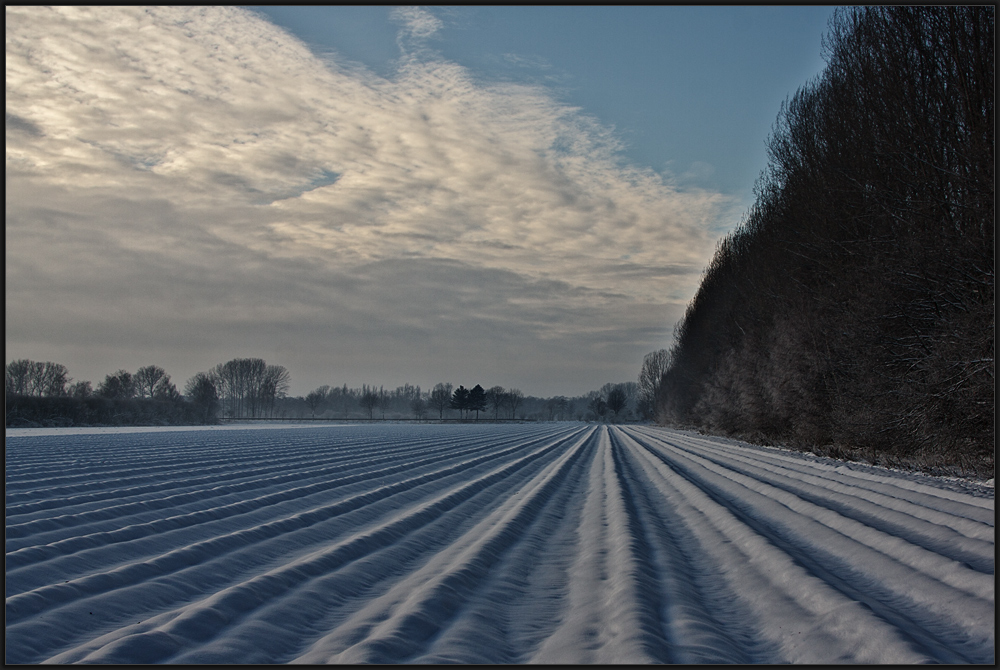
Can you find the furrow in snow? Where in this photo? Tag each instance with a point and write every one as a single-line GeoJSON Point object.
{"type": "Point", "coordinates": [801, 617]}
{"type": "Point", "coordinates": [929, 530]}
{"type": "Point", "coordinates": [700, 622]}
{"type": "Point", "coordinates": [398, 625]}
{"type": "Point", "coordinates": [34, 554]}
{"type": "Point", "coordinates": [40, 599]}
{"type": "Point", "coordinates": [163, 636]}
{"type": "Point", "coordinates": [833, 546]}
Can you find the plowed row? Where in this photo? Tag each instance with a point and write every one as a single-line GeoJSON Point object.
{"type": "Point", "coordinates": [562, 543]}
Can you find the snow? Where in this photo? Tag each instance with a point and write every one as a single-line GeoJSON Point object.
{"type": "Point", "coordinates": [549, 543]}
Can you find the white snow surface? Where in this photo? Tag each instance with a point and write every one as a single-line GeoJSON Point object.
{"type": "Point", "coordinates": [549, 543]}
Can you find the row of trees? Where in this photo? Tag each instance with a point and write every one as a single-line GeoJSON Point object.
{"type": "Point", "coordinates": [249, 388]}
{"type": "Point", "coordinates": [613, 402]}
{"type": "Point", "coordinates": [240, 388]}
{"type": "Point", "coordinates": [38, 393]}
{"type": "Point", "coordinates": [405, 400]}
{"type": "Point", "coordinates": [40, 380]}
{"type": "Point", "coordinates": [854, 305]}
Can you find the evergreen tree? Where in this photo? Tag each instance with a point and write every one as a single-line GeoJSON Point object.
{"type": "Point", "coordinates": [460, 400]}
{"type": "Point", "coordinates": [477, 399]}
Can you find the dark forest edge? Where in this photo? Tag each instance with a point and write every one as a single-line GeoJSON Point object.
{"type": "Point", "coordinates": [851, 313]}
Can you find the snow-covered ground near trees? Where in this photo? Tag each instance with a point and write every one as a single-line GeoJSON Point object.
{"type": "Point", "coordinates": [563, 543]}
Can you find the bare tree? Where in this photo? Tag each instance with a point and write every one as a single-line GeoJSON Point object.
{"type": "Point", "coordinates": [25, 377]}
{"type": "Point", "coordinates": [316, 398]}
{"type": "Point", "coordinates": [53, 379]}
{"type": "Point", "coordinates": [16, 378]}
{"type": "Point", "coordinates": [248, 387]}
{"type": "Point", "coordinates": [513, 399]}
{"type": "Point", "coordinates": [146, 378]}
{"type": "Point", "coordinates": [654, 366]}
{"type": "Point", "coordinates": [440, 398]}
{"type": "Point", "coordinates": [495, 399]}
{"type": "Point", "coordinates": [419, 407]}
{"type": "Point", "coordinates": [118, 386]}
{"type": "Point", "coordinates": [369, 400]}
{"type": "Point", "coordinates": [383, 401]}
{"type": "Point", "coordinates": [274, 385]}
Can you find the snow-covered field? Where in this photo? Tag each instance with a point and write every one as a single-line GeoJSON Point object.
{"type": "Point", "coordinates": [562, 543]}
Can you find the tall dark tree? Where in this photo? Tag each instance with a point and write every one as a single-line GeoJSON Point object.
{"type": "Point", "coordinates": [369, 400]}
{"type": "Point", "coordinates": [118, 386]}
{"type": "Point", "coordinates": [654, 366]}
{"type": "Point", "coordinates": [200, 391]}
{"type": "Point", "coordinates": [477, 400]}
{"type": "Point", "coordinates": [146, 379]}
{"type": "Point", "coordinates": [164, 389]}
{"type": "Point", "coordinates": [616, 399]}
{"type": "Point", "coordinates": [460, 400]}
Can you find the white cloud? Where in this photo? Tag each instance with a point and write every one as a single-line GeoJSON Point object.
{"type": "Point", "coordinates": [417, 22]}
{"type": "Point", "coordinates": [215, 143]}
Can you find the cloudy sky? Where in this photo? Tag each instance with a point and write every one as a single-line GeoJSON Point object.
{"type": "Point", "coordinates": [511, 195]}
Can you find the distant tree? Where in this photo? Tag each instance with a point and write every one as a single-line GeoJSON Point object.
{"type": "Point", "coordinates": [274, 385]}
{"type": "Point", "coordinates": [597, 406]}
{"type": "Point", "coordinates": [16, 377]}
{"type": "Point", "coordinates": [495, 400]}
{"type": "Point", "coordinates": [80, 390]}
{"type": "Point", "coordinates": [200, 391]}
{"type": "Point", "coordinates": [654, 366]}
{"type": "Point", "coordinates": [556, 407]}
{"type": "Point", "coordinates": [118, 386]}
{"type": "Point", "coordinates": [369, 400]}
{"type": "Point", "coordinates": [616, 399]}
{"type": "Point", "coordinates": [165, 389]}
{"type": "Point", "coordinates": [419, 407]}
{"type": "Point", "coordinates": [477, 400]}
{"type": "Point", "coordinates": [316, 398]}
{"type": "Point", "coordinates": [146, 379]}
{"type": "Point", "coordinates": [460, 400]}
{"type": "Point", "coordinates": [249, 387]}
{"type": "Point", "coordinates": [441, 398]}
{"type": "Point", "coordinates": [53, 379]}
{"type": "Point", "coordinates": [512, 400]}
{"type": "Point", "coordinates": [25, 377]}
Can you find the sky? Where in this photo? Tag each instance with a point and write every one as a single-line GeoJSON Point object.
{"type": "Point", "coordinates": [514, 196]}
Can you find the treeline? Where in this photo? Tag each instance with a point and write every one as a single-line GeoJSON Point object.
{"type": "Point", "coordinates": [43, 394]}
{"type": "Point", "coordinates": [853, 308]}
{"type": "Point", "coordinates": [612, 402]}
